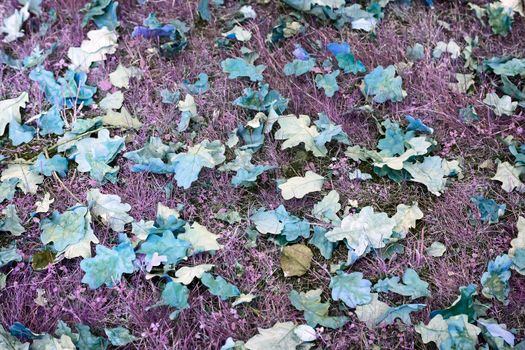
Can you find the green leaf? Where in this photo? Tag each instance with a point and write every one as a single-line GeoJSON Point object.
{"type": "Point", "coordinates": [219, 286]}
{"type": "Point", "coordinates": [363, 229]}
{"type": "Point", "coordinates": [299, 67]}
{"type": "Point", "coordinates": [495, 280]}
{"type": "Point", "coordinates": [187, 274]}
{"type": "Point", "coordinates": [108, 265]}
{"type": "Point", "coordinates": [110, 209]}
{"type": "Point", "coordinates": [281, 336]}
{"type": "Point", "coordinates": [296, 260]}
{"type": "Point", "coordinates": [200, 238]}
{"type": "Point", "coordinates": [119, 336]}
{"type": "Point", "coordinates": [93, 155]}
{"type": "Point", "coordinates": [327, 82]}
{"type": "Point", "coordinates": [412, 286]}
{"type": "Point", "coordinates": [501, 105]}
{"type": "Point", "coordinates": [10, 110]}
{"type": "Point", "coordinates": [517, 250]}
{"type": "Point", "coordinates": [9, 254]}
{"type": "Point", "coordinates": [299, 186]}
{"type": "Point", "coordinates": [166, 245]}
{"type": "Point", "coordinates": [508, 175]}
{"type": "Point", "coordinates": [383, 85]}
{"type": "Point", "coordinates": [429, 173]}
{"type": "Point", "coordinates": [349, 64]}
{"type": "Point", "coordinates": [315, 312]}
{"type": "Point", "coordinates": [88, 341]}
{"type": "Point", "coordinates": [296, 130]}
{"type": "Point", "coordinates": [510, 68]}
{"type": "Point", "coordinates": [176, 295]}
{"type": "Point", "coordinates": [351, 288]}
{"type": "Point", "coordinates": [239, 67]}
{"type": "Point", "coordinates": [11, 222]}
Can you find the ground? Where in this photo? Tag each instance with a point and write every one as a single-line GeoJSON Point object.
{"type": "Point", "coordinates": [209, 321]}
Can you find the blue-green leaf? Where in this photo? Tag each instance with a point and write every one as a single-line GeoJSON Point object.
{"type": "Point", "coordinates": [495, 280]}
{"type": "Point", "coordinates": [175, 294]}
{"type": "Point", "coordinates": [119, 336]}
{"type": "Point", "coordinates": [166, 245]}
{"type": "Point", "coordinates": [328, 83]}
{"type": "Point", "coordinates": [383, 84]}
{"type": "Point", "coordinates": [108, 265]}
{"type": "Point", "coordinates": [315, 312]}
{"type": "Point", "coordinates": [46, 166]}
{"type": "Point", "coordinates": [219, 286]}
{"type": "Point", "coordinates": [239, 67]}
{"type": "Point", "coordinates": [351, 288]}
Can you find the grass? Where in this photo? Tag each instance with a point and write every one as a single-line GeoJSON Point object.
{"type": "Point", "coordinates": [209, 321]}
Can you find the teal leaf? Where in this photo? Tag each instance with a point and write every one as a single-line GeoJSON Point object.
{"type": "Point", "coordinates": [489, 210]}
{"type": "Point", "coordinates": [412, 285]}
{"type": "Point", "coordinates": [108, 265]}
{"type": "Point", "coordinates": [247, 177]}
{"type": "Point", "coordinates": [70, 231]}
{"type": "Point", "coordinates": [10, 222]}
{"type": "Point", "coordinates": [401, 312]}
{"type": "Point", "coordinates": [203, 9]}
{"type": "Point", "coordinates": [383, 84]}
{"type": "Point", "coordinates": [119, 336]}
{"type": "Point", "coordinates": [166, 245]}
{"type": "Point", "coordinates": [51, 122]}
{"type": "Point", "coordinates": [93, 155]}
{"type": "Point", "coordinates": [415, 124]}
{"type": "Point", "coordinates": [299, 67]}
{"type": "Point", "coordinates": [187, 165]}
{"type": "Point", "coordinates": [68, 90]}
{"type": "Point", "coordinates": [328, 132]}
{"type": "Point", "coordinates": [453, 333]}
{"type": "Point", "coordinates": [328, 83]}
{"type": "Point", "coordinates": [495, 280]}
{"type": "Point", "coordinates": [239, 67]}
{"type": "Point", "coordinates": [416, 52]}
{"type": "Point", "coordinates": [219, 286]}
{"type": "Point", "coordinates": [8, 189]}
{"type": "Point", "coordinates": [175, 294]}
{"type": "Point", "coordinates": [153, 157]}
{"type": "Point", "coordinates": [199, 87]}
{"type": "Point", "coordinates": [20, 133]}
{"type": "Point", "coordinates": [46, 166]}
{"type": "Point", "coordinates": [500, 18]}
{"type": "Point", "coordinates": [9, 254]}
{"type": "Point", "coordinates": [315, 312]}
{"type": "Point", "coordinates": [262, 100]}
{"type": "Point", "coordinates": [89, 341]}
{"type": "Point", "coordinates": [351, 288]}
{"type": "Point", "coordinates": [319, 240]}
{"type": "Point", "coordinates": [349, 64]}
